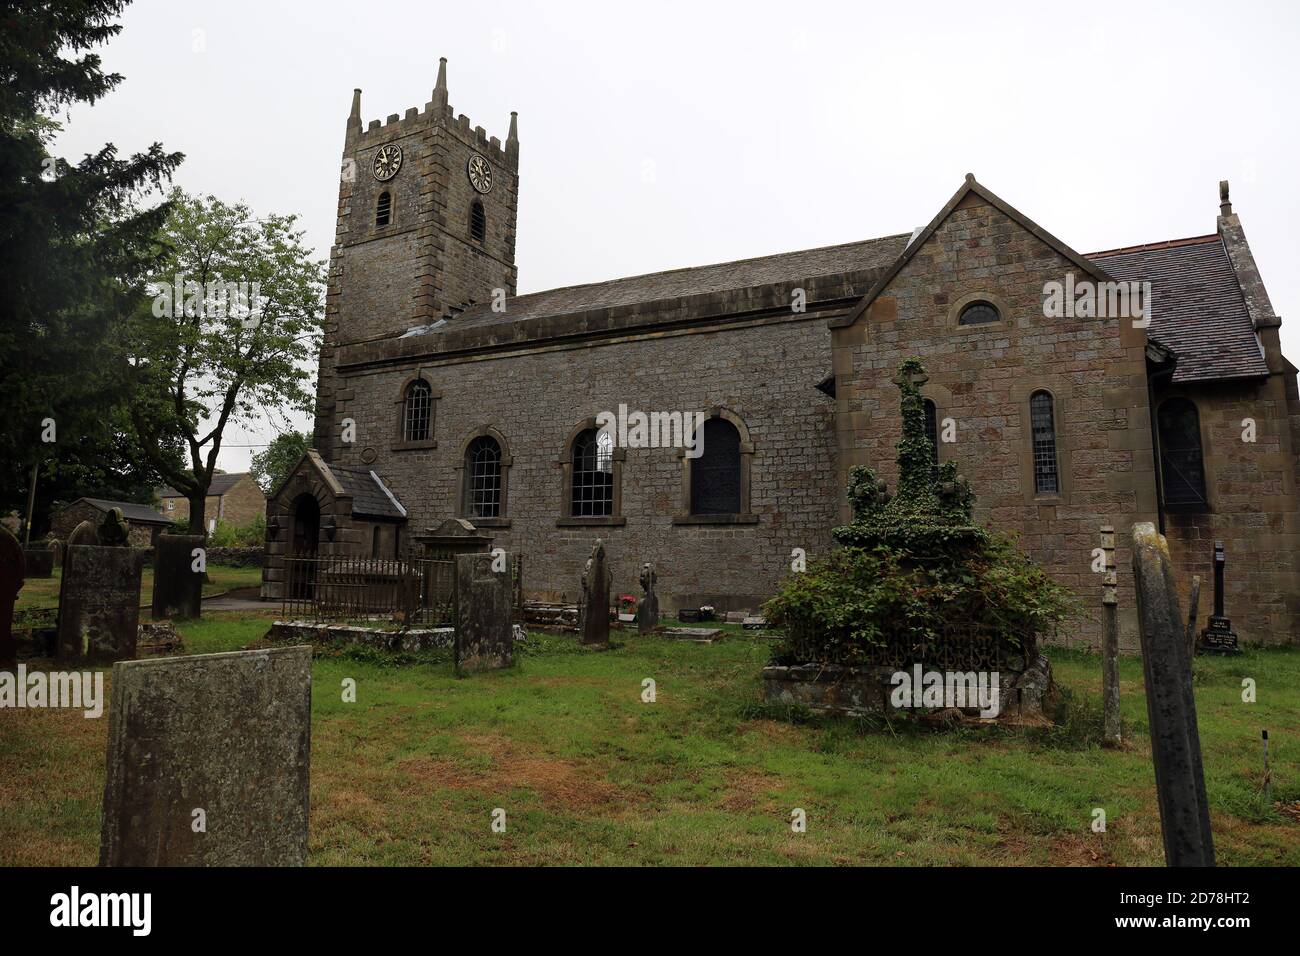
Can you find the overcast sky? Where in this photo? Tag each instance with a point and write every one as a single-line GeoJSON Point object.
{"type": "Point", "coordinates": [656, 136]}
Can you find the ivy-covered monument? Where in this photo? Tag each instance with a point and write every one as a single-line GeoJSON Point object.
{"type": "Point", "coordinates": [919, 607]}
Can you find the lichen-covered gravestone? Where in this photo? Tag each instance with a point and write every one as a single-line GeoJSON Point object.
{"type": "Point", "coordinates": [99, 596]}
{"type": "Point", "coordinates": [596, 582]}
{"type": "Point", "coordinates": [177, 585]}
{"type": "Point", "coordinates": [485, 639]}
{"type": "Point", "coordinates": [12, 570]}
{"type": "Point", "coordinates": [647, 612]}
{"type": "Point", "coordinates": [209, 760]}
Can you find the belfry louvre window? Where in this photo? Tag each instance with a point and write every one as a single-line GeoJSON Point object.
{"type": "Point", "coordinates": [715, 475]}
{"type": "Point", "coordinates": [1047, 479]}
{"type": "Point", "coordinates": [483, 467]}
{"type": "Point", "coordinates": [383, 209]}
{"type": "Point", "coordinates": [932, 430]}
{"type": "Point", "coordinates": [1182, 464]}
{"type": "Point", "coordinates": [477, 221]}
{"type": "Point", "coordinates": [417, 412]}
{"type": "Point", "coordinates": [978, 313]}
{"type": "Point", "coordinates": [592, 491]}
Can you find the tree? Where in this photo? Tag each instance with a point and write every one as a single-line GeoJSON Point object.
{"type": "Point", "coordinates": [76, 249]}
{"type": "Point", "coordinates": [270, 467]}
{"type": "Point", "coordinates": [234, 322]}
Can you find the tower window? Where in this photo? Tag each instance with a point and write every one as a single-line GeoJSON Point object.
{"type": "Point", "coordinates": [417, 411]}
{"type": "Point", "coordinates": [978, 313]}
{"type": "Point", "coordinates": [477, 221]}
{"type": "Point", "coordinates": [1043, 423]}
{"type": "Point", "coordinates": [1182, 465]}
{"type": "Point", "coordinates": [384, 209]}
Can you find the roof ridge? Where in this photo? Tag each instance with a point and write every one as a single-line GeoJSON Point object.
{"type": "Point", "coordinates": [714, 265]}
{"type": "Point", "coordinates": [1166, 244]}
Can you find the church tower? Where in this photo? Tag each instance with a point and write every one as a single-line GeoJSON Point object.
{"type": "Point", "coordinates": [426, 226]}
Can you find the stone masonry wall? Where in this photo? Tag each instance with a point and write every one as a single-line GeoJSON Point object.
{"type": "Point", "coordinates": [982, 377]}
{"type": "Point", "coordinates": [764, 373]}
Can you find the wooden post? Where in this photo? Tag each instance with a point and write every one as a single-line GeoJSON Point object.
{"type": "Point", "coordinates": [1110, 642]}
{"type": "Point", "coordinates": [1171, 707]}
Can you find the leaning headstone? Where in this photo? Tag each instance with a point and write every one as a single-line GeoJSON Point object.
{"type": "Point", "coordinates": [484, 636]}
{"type": "Point", "coordinates": [597, 580]}
{"type": "Point", "coordinates": [647, 612]}
{"type": "Point", "coordinates": [209, 760]}
{"type": "Point", "coordinates": [99, 604]}
{"type": "Point", "coordinates": [12, 571]}
{"type": "Point", "coordinates": [1171, 707]}
{"type": "Point", "coordinates": [177, 585]}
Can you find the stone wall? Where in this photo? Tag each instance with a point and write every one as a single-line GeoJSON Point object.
{"type": "Point", "coordinates": [982, 377]}
{"type": "Point", "coordinates": [66, 519]}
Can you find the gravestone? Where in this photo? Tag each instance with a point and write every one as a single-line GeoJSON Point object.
{"type": "Point", "coordinates": [647, 612]}
{"type": "Point", "coordinates": [1171, 707]}
{"type": "Point", "coordinates": [209, 760]}
{"type": "Point", "coordinates": [99, 603]}
{"type": "Point", "coordinates": [484, 635]}
{"type": "Point", "coordinates": [1218, 636]}
{"type": "Point", "coordinates": [12, 571]}
{"type": "Point", "coordinates": [177, 587]}
{"type": "Point", "coordinates": [597, 579]}
{"type": "Point", "coordinates": [40, 560]}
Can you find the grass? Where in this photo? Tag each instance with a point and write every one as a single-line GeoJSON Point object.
{"type": "Point", "coordinates": [589, 774]}
{"type": "Point", "coordinates": [44, 592]}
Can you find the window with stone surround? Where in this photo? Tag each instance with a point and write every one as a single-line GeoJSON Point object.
{"type": "Point", "coordinates": [1182, 462]}
{"type": "Point", "coordinates": [979, 313]}
{"type": "Point", "coordinates": [477, 221]}
{"type": "Point", "coordinates": [483, 478]}
{"type": "Point", "coordinates": [932, 430]}
{"type": "Point", "coordinates": [593, 475]}
{"type": "Point", "coordinates": [384, 209]}
{"type": "Point", "coordinates": [715, 475]}
{"type": "Point", "coordinates": [1047, 479]}
{"type": "Point", "coordinates": [417, 412]}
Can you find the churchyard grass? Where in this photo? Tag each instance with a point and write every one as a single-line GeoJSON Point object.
{"type": "Point", "coordinates": [44, 592]}
{"type": "Point", "coordinates": [588, 773]}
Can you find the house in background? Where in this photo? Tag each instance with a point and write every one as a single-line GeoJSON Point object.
{"type": "Point", "coordinates": [144, 523]}
{"type": "Point", "coordinates": [236, 499]}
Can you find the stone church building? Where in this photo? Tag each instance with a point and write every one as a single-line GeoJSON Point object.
{"type": "Point", "coordinates": [442, 394]}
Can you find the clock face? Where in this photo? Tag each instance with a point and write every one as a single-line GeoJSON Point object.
{"type": "Point", "coordinates": [387, 162]}
{"type": "Point", "coordinates": [480, 173]}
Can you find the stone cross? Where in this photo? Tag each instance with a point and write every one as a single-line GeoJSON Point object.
{"type": "Point", "coordinates": [596, 582]}
{"type": "Point", "coordinates": [647, 612]}
{"type": "Point", "coordinates": [1110, 641]}
{"type": "Point", "coordinates": [1218, 636]}
{"type": "Point", "coordinates": [913, 377]}
{"type": "Point", "coordinates": [12, 571]}
{"type": "Point", "coordinates": [1171, 707]}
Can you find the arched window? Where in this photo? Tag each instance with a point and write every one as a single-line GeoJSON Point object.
{"type": "Point", "coordinates": [477, 221]}
{"type": "Point", "coordinates": [483, 474]}
{"type": "Point", "coordinates": [374, 541]}
{"type": "Point", "coordinates": [1182, 465]}
{"type": "Point", "coordinates": [592, 484]}
{"type": "Point", "coordinates": [1047, 480]}
{"type": "Point", "coordinates": [978, 313]}
{"type": "Point", "coordinates": [417, 411]}
{"type": "Point", "coordinates": [932, 430]}
{"type": "Point", "coordinates": [715, 475]}
{"type": "Point", "coordinates": [383, 209]}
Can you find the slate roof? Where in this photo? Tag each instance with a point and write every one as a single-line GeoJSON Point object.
{"type": "Point", "coordinates": [132, 511]}
{"type": "Point", "coordinates": [220, 485]}
{"type": "Point", "coordinates": [370, 496]}
{"type": "Point", "coordinates": [698, 280]}
{"type": "Point", "coordinates": [1197, 307]}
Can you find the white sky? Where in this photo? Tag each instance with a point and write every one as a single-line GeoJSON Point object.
{"type": "Point", "coordinates": [765, 127]}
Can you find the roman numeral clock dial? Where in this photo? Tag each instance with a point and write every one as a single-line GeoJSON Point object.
{"type": "Point", "coordinates": [480, 173]}
{"type": "Point", "coordinates": [388, 160]}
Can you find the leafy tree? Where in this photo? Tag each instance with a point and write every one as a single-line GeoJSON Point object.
{"type": "Point", "coordinates": [76, 249]}
{"type": "Point", "coordinates": [270, 467]}
{"type": "Point", "coordinates": [235, 320]}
